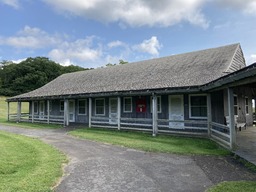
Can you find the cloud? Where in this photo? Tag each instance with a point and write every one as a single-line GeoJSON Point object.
{"type": "Point", "coordinates": [246, 6]}
{"type": "Point", "coordinates": [33, 38]}
{"type": "Point", "coordinates": [116, 44]}
{"type": "Point", "coordinates": [150, 46]}
{"type": "Point", "coordinates": [252, 59]}
{"type": "Point", "coordinates": [137, 13]}
{"type": "Point", "coordinates": [12, 3]}
{"type": "Point", "coordinates": [81, 50]}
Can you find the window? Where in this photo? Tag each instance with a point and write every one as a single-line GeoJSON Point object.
{"type": "Point", "coordinates": [35, 107]}
{"type": "Point", "coordinates": [100, 106]}
{"type": "Point", "coordinates": [127, 104]}
{"type": "Point", "coordinates": [235, 105]}
{"type": "Point", "coordinates": [198, 106]}
{"type": "Point", "coordinates": [159, 106]}
{"type": "Point", "coordinates": [61, 106]}
{"type": "Point", "coordinates": [82, 105]}
{"type": "Point", "coordinates": [246, 105]}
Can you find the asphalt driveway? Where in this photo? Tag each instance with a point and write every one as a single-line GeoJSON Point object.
{"type": "Point", "coordinates": [99, 167]}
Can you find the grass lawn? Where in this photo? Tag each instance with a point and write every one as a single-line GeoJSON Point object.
{"type": "Point", "coordinates": [27, 164]}
{"type": "Point", "coordinates": [231, 186]}
{"type": "Point", "coordinates": [145, 141]}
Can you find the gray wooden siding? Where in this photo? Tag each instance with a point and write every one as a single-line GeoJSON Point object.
{"type": "Point", "coordinates": [218, 107]}
{"type": "Point", "coordinates": [237, 62]}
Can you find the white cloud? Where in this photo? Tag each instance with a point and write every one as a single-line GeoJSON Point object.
{"type": "Point", "coordinates": [12, 3]}
{"type": "Point", "coordinates": [116, 44]}
{"type": "Point", "coordinates": [19, 60]}
{"type": "Point", "coordinates": [246, 6]}
{"type": "Point", "coordinates": [80, 50]}
{"type": "Point", "coordinates": [29, 37]}
{"type": "Point", "coordinates": [136, 13]}
{"type": "Point", "coordinates": [252, 59]}
{"type": "Point", "coordinates": [151, 46]}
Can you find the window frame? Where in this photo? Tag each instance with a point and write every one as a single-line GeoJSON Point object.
{"type": "Point", "coordinates": [159, 103]}
{"type": "Point", "coordinates": [85, 107]}
{"type": "Point", "coordinates": [124, 104]}
{"type": "Point", "coordinates": [95, 107]}
{"type": "Point", "coordinates": [190, 111]}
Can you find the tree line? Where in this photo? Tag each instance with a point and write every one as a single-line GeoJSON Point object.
{"type": "Point", "coordinates": [33, 73]}
{"type": "Point", "coordinates": [30, 74]}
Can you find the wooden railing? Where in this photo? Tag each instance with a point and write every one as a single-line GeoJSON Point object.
{"type": "Point", "coordinates": [26, 117]}
{"type": "Point", "coordinates": [220, 133]}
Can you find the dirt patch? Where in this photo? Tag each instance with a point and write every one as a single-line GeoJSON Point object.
{"type": "Point", "coordinates": [220, 169]}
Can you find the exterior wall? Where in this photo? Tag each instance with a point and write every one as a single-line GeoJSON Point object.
{"type": "Point", "coordinates": [241, 93]}
{"type": "Point", "coordinates": [218, 110]}
{"type": "Point", "coordinates": [237, 62]}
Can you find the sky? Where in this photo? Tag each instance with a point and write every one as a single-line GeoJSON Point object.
{"type": "Point", "coordinates": [93, 33]}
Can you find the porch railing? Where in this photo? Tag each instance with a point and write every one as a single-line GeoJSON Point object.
{"type": "Point", "coordinates": [192, 127]}
{"type": "Point", "coordinates": [26, 117]}
{"type": "Point", "coordinates": [220, 133]}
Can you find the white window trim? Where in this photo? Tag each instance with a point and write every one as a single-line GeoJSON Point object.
{"type": "Point", "coordinates": [63, 105]}
{"type": "Point", "coordinates": [85, 106]}
{"type": "Point", "coordinates": [130, 111]}
{"type": "Point", "coordinates": [36, 112]}
{"type": "Point", "coordinates": [103, 106]}
{"type": "Point", "coordinates": [158, 103]}
{"type": "Point", "coordinates": [195, 117]}
{"type": "Point", "coordinates": [246, 105]}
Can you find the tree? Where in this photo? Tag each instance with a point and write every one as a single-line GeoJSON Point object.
{"type": "Point", "coordinates": [29, 74]}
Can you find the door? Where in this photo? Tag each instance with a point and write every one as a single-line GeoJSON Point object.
{"type": "Point", "coordinates": [176, 111]}
{"type": "Point", "coordinates": [41, 109]}
{"type": "Point", "coordinates": [113, 111]}
{"type": "Point", "coordinates": [71, 111]}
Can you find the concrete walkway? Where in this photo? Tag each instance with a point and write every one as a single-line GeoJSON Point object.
{"type": "Point", "coordinates": [246, 141]}
{"type": "Point", "coordinates": [96, 167]}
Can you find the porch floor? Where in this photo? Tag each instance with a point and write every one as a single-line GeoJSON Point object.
{"type": "Point", "coordinates": [246, 141]}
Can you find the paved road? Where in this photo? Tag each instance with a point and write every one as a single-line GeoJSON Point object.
{"type": "Point", "coordinates": [96, 167]}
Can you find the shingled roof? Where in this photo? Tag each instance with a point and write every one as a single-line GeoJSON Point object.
{"type": "Point", "coordinates": [176, 71]}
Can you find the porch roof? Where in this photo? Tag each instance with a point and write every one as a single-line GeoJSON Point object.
{"type": "Point", "coordinates": [180, 71]}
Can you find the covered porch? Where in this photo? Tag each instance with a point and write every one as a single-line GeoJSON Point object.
{"type": "Point", "coordinates": [246, 144]}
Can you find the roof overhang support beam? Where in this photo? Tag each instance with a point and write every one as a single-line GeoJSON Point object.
{"type": "Point", "coordinates": [154, 115]}
{"type": "Point", "coordinates": [90, 112]}
{"type": "Point", "coordinates": [231, 113]}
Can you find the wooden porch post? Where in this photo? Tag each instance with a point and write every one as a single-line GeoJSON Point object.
{"type": "Point", "coordinates": [8, 110]}
{"type": "Point", "coordinates": [48, 111]}
{"type": "Point", "coordinates": [209, 114]}
{"type": "Point", "coordinates": [154, 114]}
{"type": "Point", "coordinates": [119, 113]}
{"type": "Point", "coordinates": [32, 111]}
{"type": "Point", "coordinates": [255, 106]}
{"type": "Point", "coordinates": [66, 113]}
{"type": "Point", "coordinates": [18, 111]}
{"type": "Point", "coordinates": [90, 112]}
{"type": "Point", "coordinates": [231, 118]}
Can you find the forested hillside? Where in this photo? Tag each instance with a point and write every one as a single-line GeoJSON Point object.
{"type": "Point", "coordinates": [30, 74]}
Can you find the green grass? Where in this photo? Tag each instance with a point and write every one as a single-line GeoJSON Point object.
{"type": "Point", "coordinates": [31, 125]}
{"type": "Point", "coordinates": [145, 141]}
{"type": "Point", "coordinates": [231, 186]}
{"type": "Point", "coordinates": [27, 164]}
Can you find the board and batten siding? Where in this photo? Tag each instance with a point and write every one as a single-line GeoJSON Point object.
{"type": "Point", "coordinates": [237, 62]}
